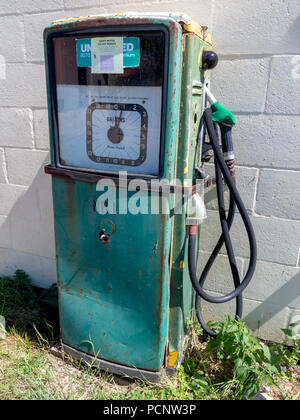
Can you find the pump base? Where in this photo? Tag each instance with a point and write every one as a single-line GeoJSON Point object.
{"type": "Point", "coordinates": [115, 368]}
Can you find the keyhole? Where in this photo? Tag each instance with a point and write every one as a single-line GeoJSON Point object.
{"type": "Point", "coordinates": [104, 237]}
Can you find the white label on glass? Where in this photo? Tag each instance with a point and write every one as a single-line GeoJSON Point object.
{"type": "Point", "coordinates": [107, 55]}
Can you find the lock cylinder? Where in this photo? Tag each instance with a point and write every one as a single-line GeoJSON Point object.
{"type": "Point", "coordinates": [104, 237]}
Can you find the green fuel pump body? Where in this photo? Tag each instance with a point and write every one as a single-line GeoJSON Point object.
{"type": "Point", "coordinates": [125, 295]}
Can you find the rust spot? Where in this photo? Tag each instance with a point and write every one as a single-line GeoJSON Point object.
{"type": "Point", "coordinates": [90, 267]}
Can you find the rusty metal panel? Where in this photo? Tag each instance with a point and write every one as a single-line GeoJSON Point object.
{"type": "Point", "coordinates": [181, 292]}
{"type": "Point", "coordinates": [113, 297]}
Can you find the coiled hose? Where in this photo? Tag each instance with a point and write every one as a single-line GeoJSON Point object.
{"type": "Point", "coordinates": [226, 223]}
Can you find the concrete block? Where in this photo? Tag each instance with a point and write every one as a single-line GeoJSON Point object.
{"type": "Point", "coordinates": [219, 278]}
{"type": "Point", "coordinates": [265, 319]}
{"type": "Point", "coordinates": [275, 193]}
{"type": "Point", "coordinates": [12, 45]}
{"type": "Point", "coordinates": [24, 86]}
{"type": "Point", "coordinates": [16, 127]}
{"type": "Point", "coordinates": [24, 6]}
{"type": "Point", "coordinates": [141, 3]}
{"type": "Point", "coordinates": [246, 184]}
{"type": "Point", "coordinates": [7, 8]}
{"type": "Point", "coordinates": [2, 68]}
{"type": "Point", "coordinates": [38, 6]}
{"type": "Point", "coordinates": [284, 82]}
{"type": "Point", "coordinates": [9, 196]}
{"type": "Point", "coordinates": [39, 269]}
{"type": "Point", "coordinates": [41, 129]}
{"type": "Point", "coordinates": [32, 220]}
{"type": "Point", "coordinates": [256, 27]}
{"type": "Point", "coordinates": [19, 171]}
{"type": "Point", "coordinates": [217, 312]}
{"type": "Point", "coordinates": [34, 28]}
{"type": "Point", "coordinates": [267, 141]}
{"type": "Point", "coordinates": [2, 167]}
{"type": "Point", "coordinates": [5, 235]}
{"type": "Point", "coordinates": [275, 284]}
{"type": "Point", "coordinates": [277, 239]}
{"type": "Point", "coordinates": [241, 84]}
{"type": "Point", "coordinates": [211, 231]}
{"type": "Point", "coordinates": [74, 4]}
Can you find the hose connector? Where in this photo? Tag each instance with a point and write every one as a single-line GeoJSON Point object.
{"type": "Point", "coordinates": [196, 210]}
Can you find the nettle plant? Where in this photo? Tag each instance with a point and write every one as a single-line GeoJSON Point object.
{"type": "Point", "coordinates": [289, 351]}
{"type": "Point", "coordinates": [254, 365]}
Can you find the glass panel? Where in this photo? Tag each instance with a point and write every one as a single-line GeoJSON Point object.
{"type": "Point", "coordinates": [110, 122]}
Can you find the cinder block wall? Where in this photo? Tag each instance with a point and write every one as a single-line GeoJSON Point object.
{"type": "Point", "coordinates": [258, 77]}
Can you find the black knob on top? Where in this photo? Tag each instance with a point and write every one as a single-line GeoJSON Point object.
{"type": "Point", "coordinates": [209, 60]}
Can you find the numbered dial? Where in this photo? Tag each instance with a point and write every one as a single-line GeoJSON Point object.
{"type": "Point", "coordinates": [116, 133]}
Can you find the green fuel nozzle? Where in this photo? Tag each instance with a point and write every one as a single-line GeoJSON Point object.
{"type": "Point", "coordinates": [226, 120]}
{"type": "Point", "coordinates": [222, 115]}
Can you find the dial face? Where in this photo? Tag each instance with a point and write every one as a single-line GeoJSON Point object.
{"type": "Point", "coordinates": [110, 128]}
{"type": "Point", "coordinates": [116, 133]}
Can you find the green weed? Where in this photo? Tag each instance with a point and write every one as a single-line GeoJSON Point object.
{"type": "Point", "coordinates": [250, 363]}
{"type": "Point", "coordinates": [28, 308]}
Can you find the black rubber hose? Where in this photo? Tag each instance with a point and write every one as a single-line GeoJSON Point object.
{"type": "Point", "coordinates": [214, 254]}
{"type": "Point", "coordinates": [235, 200]}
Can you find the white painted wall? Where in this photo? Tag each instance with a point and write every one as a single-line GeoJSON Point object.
{"type": "Point", "coordinates": [258, 77]}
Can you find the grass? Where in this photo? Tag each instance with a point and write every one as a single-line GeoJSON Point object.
{"type": "Point", "coordinates": [226, 368]}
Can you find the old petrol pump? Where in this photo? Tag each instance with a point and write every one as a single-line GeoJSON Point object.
{"type": "Point", "coordinates": [126, 95]}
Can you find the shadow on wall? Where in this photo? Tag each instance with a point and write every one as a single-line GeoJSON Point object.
{"type": "Point", "coordinates": [293, 33]}
{"type": "Point", "coordinates": [271, 306]}
{"type": "Point", "coordinates": [27, 233]}
{"type": "Point", "coordinates": [265, 317]}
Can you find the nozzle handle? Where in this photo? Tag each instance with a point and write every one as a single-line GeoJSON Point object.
{"type": "Point", "coordinates": [226, 139]}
